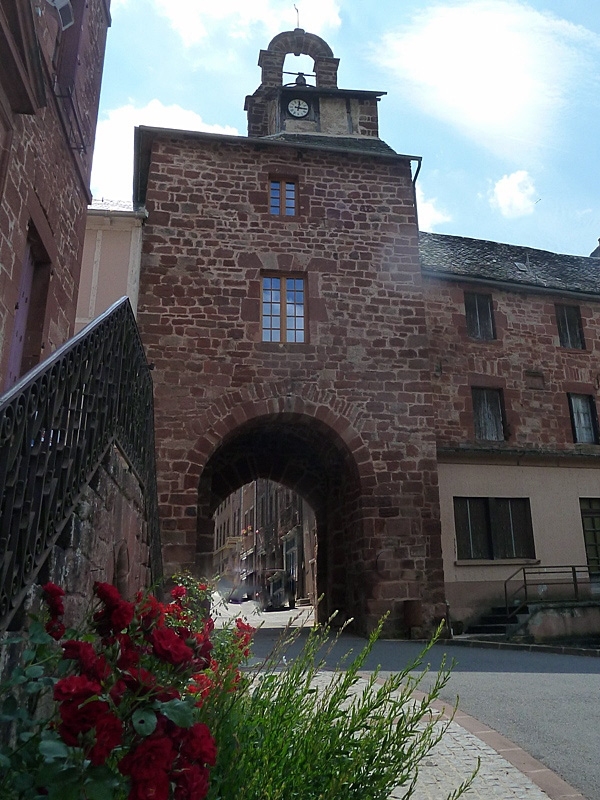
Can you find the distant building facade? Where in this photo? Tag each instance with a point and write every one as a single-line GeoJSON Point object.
{"type": "Point", "coordinates": [50, 76]}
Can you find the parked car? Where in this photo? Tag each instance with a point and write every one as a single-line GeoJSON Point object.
{"type": "Point", "coordinates": [276, 590]}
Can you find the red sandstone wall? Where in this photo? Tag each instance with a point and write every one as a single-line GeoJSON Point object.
{"type": "Point", "coordinates": [46, 180]}
{"type": "Point", "coordinates": [525, 361]}
{"type": "Point", "coordinates": [365, 366]}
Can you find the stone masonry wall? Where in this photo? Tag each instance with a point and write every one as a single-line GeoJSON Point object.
{"type": "Point", "coordinates": [105, 540]}
{"type": "Point", "coordinates": [46, 181]}
{"type": "Point", "coordinates": [525, 360]}
{"type": "Point", "coordinates": [208, 239]}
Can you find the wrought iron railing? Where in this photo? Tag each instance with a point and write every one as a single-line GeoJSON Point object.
{"type": "Point", "coordinates": [56, 425]}
{"type": "Point", "coordinates": [564, 581]}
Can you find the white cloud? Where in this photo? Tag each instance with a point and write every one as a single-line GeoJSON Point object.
{"type": "Point", "coordinates": [112, 172]}
{"type": "Point", "coordinates": [514, 195]}
{"type": "Point", "coordinates": [497, 70]}
{"type": "Point", "coordinates": [194, 20]}
{"type": "Point", "coordinates": [429, 214]}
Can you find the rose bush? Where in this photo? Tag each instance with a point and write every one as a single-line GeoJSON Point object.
{"type": "Point", "coordinates": [123, 709]}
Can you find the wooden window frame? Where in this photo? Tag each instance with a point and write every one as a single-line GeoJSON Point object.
{"type": "Point", "coordinates": [493, 528]}
{"type": "Point", "coordinates": [570, 327]}
{"type": "Point", "coordinates": [277, 308]}
{"type": "Point", "coordinates": [493, 399]}
{"type": "Point", "coordinates": [278, 197]}
{"type": "Point", "coordinates": [579, 432]}
{"type": "Point", "coordinates": [479, 316]}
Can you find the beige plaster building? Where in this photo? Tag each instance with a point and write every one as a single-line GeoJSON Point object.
{"type": "Point", "coordinates": [111, 259]}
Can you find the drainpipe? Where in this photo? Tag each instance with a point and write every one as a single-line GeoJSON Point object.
{"type": "Point", "coordinates": [419, 161]}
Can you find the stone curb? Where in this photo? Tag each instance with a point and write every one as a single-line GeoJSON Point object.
{"type": "Point", "coordinates": [532, 648]}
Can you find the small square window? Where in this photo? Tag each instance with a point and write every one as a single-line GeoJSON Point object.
{"type": "Point", "coordinates": [584, 420]}
{"type": "Point", "coordinates": [283, 198]}
{"type": "Point", "coordinates": [479, 314]}
{"type": "Point", "coordinates": [493, 527]}
{"type": "Point", "coordinates": [488, 415]}
{"type": "Point", "coordinates": [283, 309]}
{"type": "Point", "coordinates": [570, 329]}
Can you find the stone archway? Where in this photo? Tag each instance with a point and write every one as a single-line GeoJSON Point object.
{"type": "Point", "coordinates": [306, 455]}
{"type": "Point", "coordinates": [306, 444]}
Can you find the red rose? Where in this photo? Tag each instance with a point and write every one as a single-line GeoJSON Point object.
{"type": "Point", "coordinates": [178, 592]}
{"type": "Point", "coordinates": [121, 615]}
{"type": "Point", "coordinates": [203, 647]}
{"type": "Point", "coordinates": [78, 719]}
{"type": "Point", "coordinates": [168, 646]}
{"type": "Point", "coordinates": [201, 686]}
{"type": "Point", "coordinates": [192, 781]}
{"type": "Point", "coordinates": [157, 788]}
{"type": "Point", "coordinates": [108, 593]}
{"type": "Point", "coordinates": [199, 745]}
{"type": "Point", "coordinates": [150, 612]}
{"type": "Point", "coordinates": [153, 756]}
{"type": "Point", "coordinates": [55, 628]}
{"type": "Point", "coordinates": [79, 651]}
{"type": "Point", "coordinates": [53, 596]}
{"type": "Point", "coordinates": [109, 732]}
{"type": "Point", "coordinates": [76, 687]}
{"type": "Point", "coordinates": [117, 693]}
{"type": "Point", "coordinates": [140, 681]}
{"type": "Point", "coordinates": [128, 653]}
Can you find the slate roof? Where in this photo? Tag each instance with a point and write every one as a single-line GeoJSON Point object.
{"type": "Point", "coordinates": [347, 144]}
{"type": "Point", "coordinates": [458, 256]}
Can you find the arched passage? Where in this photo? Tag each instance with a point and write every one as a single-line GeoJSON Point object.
{"type": "Point", "coordinates": [307, 455]}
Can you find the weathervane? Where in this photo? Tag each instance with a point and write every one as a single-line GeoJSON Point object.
{"type": "Point", "coordinates": [297, 16]}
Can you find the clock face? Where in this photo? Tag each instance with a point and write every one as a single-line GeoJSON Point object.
{"type": "Point", "coordinates": [298, 108]}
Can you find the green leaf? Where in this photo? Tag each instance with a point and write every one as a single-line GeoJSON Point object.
{"type": "Point", "coordinates": [28, 655]}
{"type": "Point", "coordinates": [38, 635]}
{"type": "Point", "coordinates": [10, 706]}
{"type": "Point", "coordinates": [102, 783]}
{"type": "Point", "coordinates": [34, 671]}
{"type": "Point", "coordinates": [144, 721]}
{"type": "Point", "coordinates": [65, 791]}
{"type": "Point", "coordinates": [178, 711]}
{"type": "Point", "coordinates": [23, 781]}
{"type": "Point", "coordinates": [4, 761]}
{"type": "Point", "coordinates": [33, 687]}
{"type": "Point", "coordinates": [52, 748]}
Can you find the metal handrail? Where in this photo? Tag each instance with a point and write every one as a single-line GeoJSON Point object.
{"type": "Point", "coordinates": [559, 574]}
{"type": "Point", "coordinates": [56, 425]}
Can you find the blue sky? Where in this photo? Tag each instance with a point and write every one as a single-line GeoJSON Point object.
{"type": "Point", "coordinates": [501, 98]}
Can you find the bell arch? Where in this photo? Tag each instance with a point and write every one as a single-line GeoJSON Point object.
{"type": "Point", "coordinates": [298, 42]}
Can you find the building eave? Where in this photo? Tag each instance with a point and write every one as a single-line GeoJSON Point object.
{"type": "Point", "coordinates": [144, 137]}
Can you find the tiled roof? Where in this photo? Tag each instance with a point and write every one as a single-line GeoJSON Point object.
{"type": "Point", "coordinates": [458, 256]}
{"type": "Point", "coordinates": [363, 144]}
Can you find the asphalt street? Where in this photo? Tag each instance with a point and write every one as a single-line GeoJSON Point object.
{"type": "Point", "coordinates": [547, 703]}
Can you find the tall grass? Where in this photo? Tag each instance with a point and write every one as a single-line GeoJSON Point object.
{"type": "Point", "coordinates": [296, 730]}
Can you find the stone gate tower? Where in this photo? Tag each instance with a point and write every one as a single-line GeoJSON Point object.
{"type": "Point", "coordinates": [281, 304]}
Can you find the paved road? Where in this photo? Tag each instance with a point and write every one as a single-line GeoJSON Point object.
{"type": "Point", "coordinates": [548, 704]}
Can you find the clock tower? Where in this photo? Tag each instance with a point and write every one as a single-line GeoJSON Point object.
{"type": "Point", "coordinates": [311, 105]}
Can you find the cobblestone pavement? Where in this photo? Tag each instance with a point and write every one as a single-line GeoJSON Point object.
{"type": "Point", "coordinates": [506, 772]}
{"type": "Point", "coordinates": [452, 761]}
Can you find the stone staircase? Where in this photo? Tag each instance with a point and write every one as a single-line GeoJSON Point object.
{"type": "Point", "coordinates": [496, 623]}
